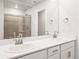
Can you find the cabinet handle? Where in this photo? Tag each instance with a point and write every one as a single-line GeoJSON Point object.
{"type": "Point", "coordinates": [54, 51]}
{"type": "Point", "coordinates": [69, 54]}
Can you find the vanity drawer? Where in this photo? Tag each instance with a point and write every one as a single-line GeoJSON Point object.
{"type": "Point", "coordinates": [67, 45]}
{"type": "Point", "coordinates": [52, 51]}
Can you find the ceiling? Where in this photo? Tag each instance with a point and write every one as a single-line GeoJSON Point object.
{"type": "Point", "coordinates": [21, 4]}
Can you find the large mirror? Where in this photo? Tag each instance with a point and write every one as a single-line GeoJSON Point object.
{"type": "Point", "coordinates": [30, 18]}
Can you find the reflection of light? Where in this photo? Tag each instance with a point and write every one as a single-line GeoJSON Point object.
{"type": "Point", "coordinates": [14, 11]}
{"type": "Point", "coordinates": [16, 6]}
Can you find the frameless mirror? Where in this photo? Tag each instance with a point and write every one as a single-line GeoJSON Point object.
{"type": "Point", "coordinates": [30, 17]}
{"type": "Point", "coordinates": [17, 21]}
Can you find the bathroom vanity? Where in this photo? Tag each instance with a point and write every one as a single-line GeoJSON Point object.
{"type": "Point", "coordinates": [49, 48]}
{"type": "Point", "coordinates": [38, 18]}
{"type": "Point", "coordinates": [63, 51]}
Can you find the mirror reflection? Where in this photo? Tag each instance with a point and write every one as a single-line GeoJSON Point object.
{"type": "Point", "coordinates": [30, 18]}
{"type": "Point", "coordinates": [16, 21]}
{"type": "Point", "coordinates": [17, 24]}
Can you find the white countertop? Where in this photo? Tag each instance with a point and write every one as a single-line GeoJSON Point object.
{"type": "Point", "coordinates": [39, 45]}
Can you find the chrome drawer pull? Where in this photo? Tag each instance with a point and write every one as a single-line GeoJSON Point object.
{"type": "Point", "coordinates": [69, 54]}
{"type": "Point", "coordinates": [54, 51]}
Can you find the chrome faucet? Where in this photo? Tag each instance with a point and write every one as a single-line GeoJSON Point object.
{"type": "Point", "coordinates": [55, 34]}
{"type": "Point", "coordinates": [18, 40]}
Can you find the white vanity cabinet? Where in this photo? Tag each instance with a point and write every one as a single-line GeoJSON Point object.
{"type": "Point", "coordinates": [53, 53]}
{"type": "Point", "coordinates": [67, 51]}
{"type": "Point", "coordinates": [61, 51]}
{"type": "Point", "coordinates": [37, 55]}
{"type": "Point", "coordinates": [50, 53]}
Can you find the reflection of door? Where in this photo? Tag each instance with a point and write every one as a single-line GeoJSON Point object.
{"type": "Point", "coordinates": [41, 22]}
{"type": "Point", "coordinates": [16, 24]}
{"type": "Point", "coordinates": [10, 26]}
{"type": "Point", "coordinates": [27, 26]}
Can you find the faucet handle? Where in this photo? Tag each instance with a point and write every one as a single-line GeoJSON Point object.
{"type": "Point", "coordinates": [55, 34]}
{"type": "Point", "coordinates": [20, 38]}
{"type": "Point", "coordinates": [20, 35]}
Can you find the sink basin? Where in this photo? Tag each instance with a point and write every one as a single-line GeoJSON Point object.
{"type": "Point", "coordinates": [19, 48]}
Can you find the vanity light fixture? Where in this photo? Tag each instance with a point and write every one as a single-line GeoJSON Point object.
{"type": "Point", "coordinates": [51, 21]}
{"type": "Point", "coordinates": [66, 20]}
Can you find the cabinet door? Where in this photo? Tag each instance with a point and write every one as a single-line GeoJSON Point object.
{"type": "Point", "coordinates": [54, 57]}
{"type": "Point", "coordinates": [67, 17]}
{"type": "Point", "coordinates": [38, 55]}
{"type": "Point", "coordinates": [67, 54]}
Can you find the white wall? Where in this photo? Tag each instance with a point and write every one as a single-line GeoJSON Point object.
{"type": "Point", "coordinates": [67, 9]}
{"type": "Point", "coordinates": [78, 22]}
{"type": "Point", "coordinates": [1, 20]}
{"type": "Point", "coordinates": [51, 8]}
{"type": "Point", "coordinates": [78, 30]}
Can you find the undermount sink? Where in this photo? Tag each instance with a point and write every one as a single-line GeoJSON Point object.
{"type": "Point", "coordinates": [19, 48]}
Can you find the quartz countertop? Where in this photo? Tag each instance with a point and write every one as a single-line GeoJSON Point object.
{"type": "Point", "coordinates": [38, 45]}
